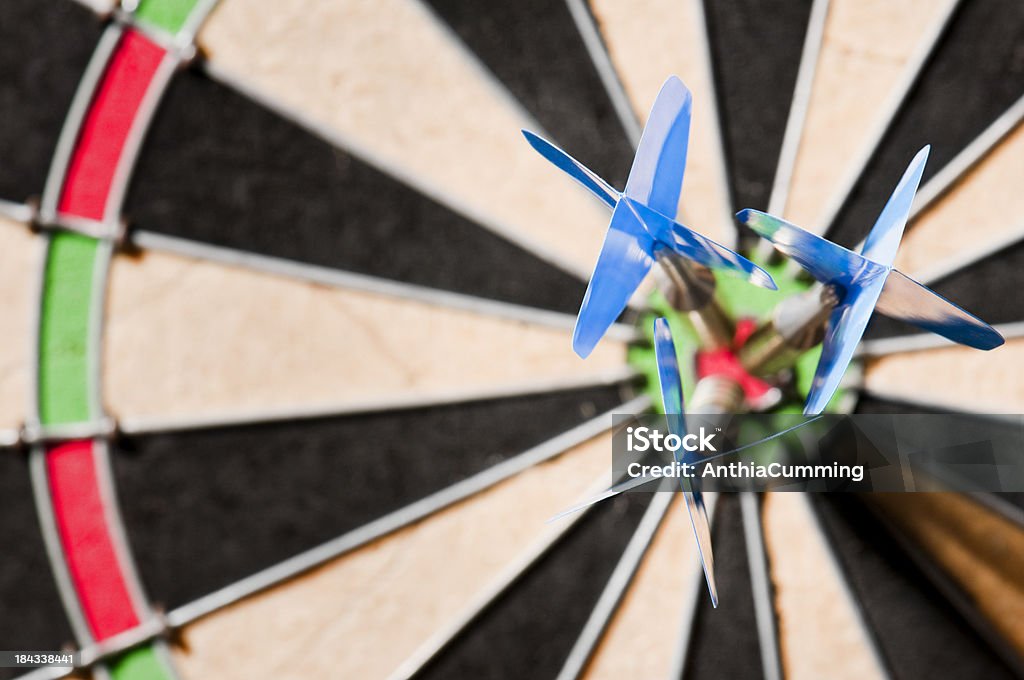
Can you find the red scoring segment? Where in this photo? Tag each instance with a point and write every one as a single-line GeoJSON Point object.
{"type": "Point", "coordinates": [91, 556]}
{"type": "Point", "coordinates": [76, 485]}
{"type": "Point", "coordinates": [106, 126]}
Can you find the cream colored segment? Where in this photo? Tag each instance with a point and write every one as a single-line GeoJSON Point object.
{"type": "Point", "coordinates": [986, 207]}
{"type": "Point", "coordinates": [631, 646]}
{"type": "Point", "coordinates": [20, 271]}
{"type": "Point", "coordinates": [818, 622]}
{"type": "Point", "coordinates": [865, 51]}
{"type": "Point", "coordinates": [954, 377]}
{"type": "Point", "coordinates": [387, 75]}
{"type": "Point", "coordinates": [981, 551]}
{"type": "Point", "coordinates": [362, 614]}
{"type": "Point", "coordinates": [647, 43]}
{"type": "Point", "coordinates": [191, 338]}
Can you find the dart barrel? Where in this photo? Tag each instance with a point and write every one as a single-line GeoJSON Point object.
{"type": "Point", "coordinates": [690, 288]}
{"type": "Point", "coordinates": [796, 325]}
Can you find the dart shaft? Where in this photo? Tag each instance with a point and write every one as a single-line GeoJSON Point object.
{"type": "Point", "coordinates": [691, 289]}
{"type": "Point", "coordinates": [797, 325]}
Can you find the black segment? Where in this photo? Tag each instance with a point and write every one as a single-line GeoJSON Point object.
{"type": "Point", "coordinates": [536, 50]}
{"type": "Point", "coordinates": [919, 633]}
{"type": "Point", "coordinates": [755, 48]}
{"type": "Point", "coordinates": [33, 618]}
{"type": "Point", "coordinates": [221, 169]}
{"type": "Point", "coordinates": [989, 288]}
{"type": "Point", "coordinates": [1008, 504]}
{"type": "Point", "coordinates": [44, 49]}
{"type": "Point", "coordinates": [530, 629]}
{"type": "Point", "coordinates": [976, 73]}
{"type": "Point", "coordinates": [206, 508]}
{"type": "Point", "coordinates": [1001, 433]}
{"type": "Point", "coordinates": [724, 642]}
{"type": "Point", "coordinates": [975, 288]}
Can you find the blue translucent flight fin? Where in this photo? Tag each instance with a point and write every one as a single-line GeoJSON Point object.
{"type": "Point", "coordinates": [656, 178]}
{"type": "Point", "coordinates": [672, 398]}
{"type": "Point", "coordinates": [669, 376]}
{"type": "Point", "coordinates": [698, 248]}
{"type": "Point", "coordinates": [698, 512]}
{"type": "Point", "coordinates": [644, 222]}
{"type": "Point", "coordinates": [572, 167]}
{"type": "Point", "coordinates": [625, 259]}
{"type": "Point", "coordinates": [905, 299]}
{"type": "Point", "coordinates": [845, 327]}
{"type": "Point", "coordinates": [884, 239]}
{"type": "Point", "coordinates": [864, 281]}
{"type": "Point", "coordinates": [825, 261]}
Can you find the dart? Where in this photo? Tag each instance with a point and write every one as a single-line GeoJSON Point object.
{"type": "Point", "coordinates": [864, 282]}
{"type": "Point", "coordinates": [643, 226]}
{"type": "Point", "coordinates": [672, 400]}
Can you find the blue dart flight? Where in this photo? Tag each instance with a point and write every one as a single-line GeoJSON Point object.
{"type": "Point", "coordinates": [672, 399]}
{"type": "Point", "coordinates": [866, 281]}
{"type": "Point", "coordinates": [643, 225]}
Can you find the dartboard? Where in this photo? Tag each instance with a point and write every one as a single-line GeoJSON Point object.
{"type": "Point", "coordinates": [287, 385]}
